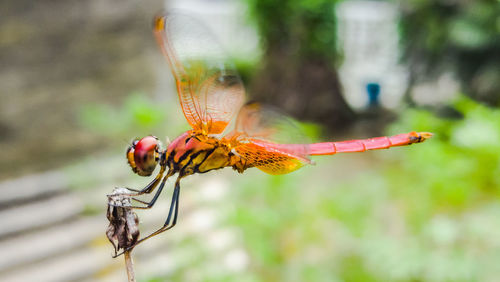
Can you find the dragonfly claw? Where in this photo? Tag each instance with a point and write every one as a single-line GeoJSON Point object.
{"type": "Point", "coordinates": [129, 249]}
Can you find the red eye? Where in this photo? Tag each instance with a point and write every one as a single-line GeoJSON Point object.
{"type": "Point", "coordinates": [143, 155]}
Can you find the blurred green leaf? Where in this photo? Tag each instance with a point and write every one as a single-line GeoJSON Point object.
{"type": "Point", "coordinates": [465, 34]}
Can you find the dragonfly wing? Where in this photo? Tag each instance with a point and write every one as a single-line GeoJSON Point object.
{"type": "Point", "coordinates": [262, 132]}
{"type": "Point", "coordinates": [268, 124]}
{"type": "Point", "coordinates": [270, 157]}
{"type": "Point", "coordinates": [209, 87]}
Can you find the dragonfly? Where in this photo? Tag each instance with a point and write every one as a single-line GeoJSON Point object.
{"type": "Point", "coordinates": [225, 131]}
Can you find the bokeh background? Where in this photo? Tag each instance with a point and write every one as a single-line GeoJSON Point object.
{"type": "Point", "coordinates": [80, 79]}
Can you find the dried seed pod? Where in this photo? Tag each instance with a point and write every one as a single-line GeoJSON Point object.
{"type": "Point", "coordinates": [123, 230]}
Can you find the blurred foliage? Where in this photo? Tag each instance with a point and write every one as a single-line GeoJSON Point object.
{"type": "Point", "coordinates": [427, 212]}
{"type": "Point", "coordinates": [458, 36]}
{"type": "Point", "coordinates": [246, 68]}
{"type": "Point", "coordinates": [137, 111]}
{"type": "Point", "coordinates": [306, 25]}
{"type": "Point", "coordinates": [138, 116]}
{"type": "Point", "coordinates": [459, 168]}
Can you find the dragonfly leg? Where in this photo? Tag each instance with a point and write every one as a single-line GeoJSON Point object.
{"type": "Point", "coordinates": [173, 211]}
{"type": "Point", "coordinates": [177, 191]}
{"type": "Point", "coordinates": [155, 197]}
{"type": "Point", "coordinates": [152, 185]}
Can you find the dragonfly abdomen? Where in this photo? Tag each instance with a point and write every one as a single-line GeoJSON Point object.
{"type": "Point", "coordinates": [361, 145]}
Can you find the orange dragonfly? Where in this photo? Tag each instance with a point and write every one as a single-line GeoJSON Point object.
{"type": "Point", "coordinates": [225, 131]}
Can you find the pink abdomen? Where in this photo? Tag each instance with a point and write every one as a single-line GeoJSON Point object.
{"type": "Point", "coordinates": [361, 145]}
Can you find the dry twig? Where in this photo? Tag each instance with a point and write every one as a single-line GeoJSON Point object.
{"type": "Point", "coordinates": [123, 230]}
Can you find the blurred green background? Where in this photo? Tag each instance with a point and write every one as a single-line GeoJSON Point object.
{"type": "Point", "coordinates": [80, 86]}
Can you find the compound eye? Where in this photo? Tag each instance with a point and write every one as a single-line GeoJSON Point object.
{"type": "Point", "coordinates": [146, 155]}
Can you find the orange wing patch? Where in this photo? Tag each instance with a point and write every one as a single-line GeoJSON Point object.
{"type": "Point", "coordinates": [270, 160]}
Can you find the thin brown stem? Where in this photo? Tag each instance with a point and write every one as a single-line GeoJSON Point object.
{"type": "Point", "coordinates": [129, 264]}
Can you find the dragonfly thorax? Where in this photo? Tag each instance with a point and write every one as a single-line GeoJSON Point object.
{"type": "Point", "coordinates": [195, 152]}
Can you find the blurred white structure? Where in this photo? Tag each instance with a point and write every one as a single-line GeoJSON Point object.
{"type": "Point", "coordinates": [227, 19]}
{"type": "Point", "coordinates": [368, 37]}
{"type": "Point", "coordinates": [441, 90]}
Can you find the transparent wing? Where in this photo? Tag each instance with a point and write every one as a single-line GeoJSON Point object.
{"type": "Point", "coordinates": [210, 90]}
{"type": "Point", "coordinates": [269, 140]}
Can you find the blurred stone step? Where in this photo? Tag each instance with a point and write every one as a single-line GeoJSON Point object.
{"type": "Point", "coordinates": [38, 214]}
{"type": "Point", "coordinates": [44, 244]}
{"type": "Point", "coordinates": [31, 187]}
{"type": "Point", "coordinates": [76, 265]}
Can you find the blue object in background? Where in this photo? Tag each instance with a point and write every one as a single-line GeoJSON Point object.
{"type": "Point", "coordinates": [373, 90]}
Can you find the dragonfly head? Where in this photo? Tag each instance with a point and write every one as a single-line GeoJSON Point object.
{"type": "Point", "coordinates": [143, 155]}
